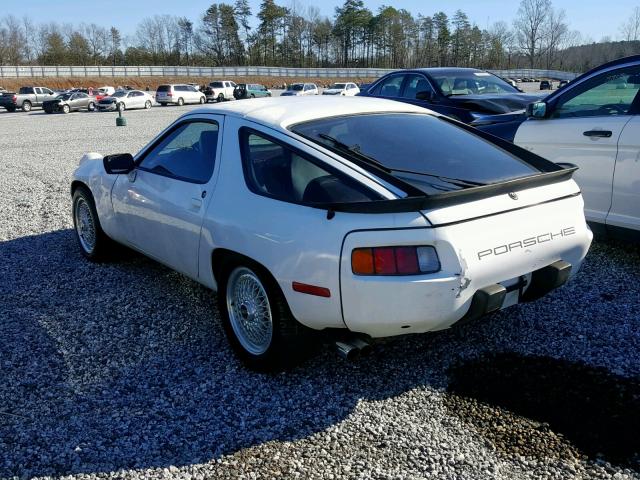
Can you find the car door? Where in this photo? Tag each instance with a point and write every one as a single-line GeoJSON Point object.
{"type": "Point", "coordinates": [39, 96]}
{"type": "Point", "coordinates": [583, 127]}
{"type": "Point", "coordinates": [159, 206]}
{"type": "Point", "coordinates": [625, 199]}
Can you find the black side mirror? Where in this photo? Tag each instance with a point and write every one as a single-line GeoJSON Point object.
{"type": "Point", "coordinates": [537, 110]}
{"type": "Point", "coordinates": [118, 163]}
{"type": "Point", "coordinates": [426, 95]}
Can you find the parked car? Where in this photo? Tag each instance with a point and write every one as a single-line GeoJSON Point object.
{"type": "Point", "coordinates": [594, 123]}
{"type": "Point", "coordinates": [465, 94]}
{"type": "Point", "coordinates": [220, 91]}
{"type": "Point", "coordinates": [563, 83]}
{"type": "Point", "coordinates": [250, 90]}
{"type": "Point", "coordinates": [348, 89]}
{"type": "Point", "coordinates": [300, 89]}
{"type": "Point", "coordinates": [26, 98]}
{"type": "Point", "coordinates": [546, 85]}
{"type": "Point", "coordinates": [70, 102]}
{"type": "Point", "coordinates": [106, 90]}
{"type": "Point", "coordinates": [426, 223]}
{"type": "Point", "coordinates": [126, 100]}
{"type": "Point", "coordinates": [179, 95]}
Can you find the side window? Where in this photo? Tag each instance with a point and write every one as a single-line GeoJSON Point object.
{"type": "Point", "coordinates": [47, 91]}
{"type": "Point", "coordinates": [390, 87]}
{"type": "Point", "coordinates": [188, 153]}
{"type": "Point", "coordinates": [415, 84]}
{"type": "Point", "coordinates": [276, 171]}
{"type": "Point", "coordinates": [610, 94]}
{"type": "Point", "coordinates": [38, 90]}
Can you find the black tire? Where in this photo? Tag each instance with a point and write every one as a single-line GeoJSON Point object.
{"type": "Point", "coordinates": [11, 109]}
{"type": "Point", "coordinates": [180, 102]}
{"type": "Point", "coordinates": [253, 96]}
{"type": "Point", "coordinates": [121, 107]}
{"type": "Point", "coordinates": [147, 105]}
{"type": "Point", "coordinates": [221, 97]}
{"type": "Point", "coordinates": [26, 106]}
{"type": "Point", "coordinates": [103, 246]}
{"type": "Point", "coordinates": [66, 109]}
{"type": "Point", "coordinates": [163, 104]}
{"type": "Point", "coordinates": [202, 100]}
{"type": "Point", "coordinates": [91, 107]}
{"type": "Point", "coordinates": [290, 341]}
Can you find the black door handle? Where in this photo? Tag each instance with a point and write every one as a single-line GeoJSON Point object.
{"type": "Point", "coordinates": [598, 133]}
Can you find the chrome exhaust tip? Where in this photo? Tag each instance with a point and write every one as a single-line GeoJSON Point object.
{"type": "Point", "coordinates": [347, 350]}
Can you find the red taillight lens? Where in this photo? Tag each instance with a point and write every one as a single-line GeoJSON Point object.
{"type": "Point", "coordinates": [15, 99]}
{"type": "Point", "coordinates": [394, 260]}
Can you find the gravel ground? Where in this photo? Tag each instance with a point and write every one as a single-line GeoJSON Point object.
{"type": "Point", "coordinates": [122, 370]}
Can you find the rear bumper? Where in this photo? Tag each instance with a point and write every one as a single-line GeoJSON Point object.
{"type": "Point", "coordinates": [491, 299]}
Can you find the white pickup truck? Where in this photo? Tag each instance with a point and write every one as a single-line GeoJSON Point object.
{"type": "Point", "coordinates": [220, 90]}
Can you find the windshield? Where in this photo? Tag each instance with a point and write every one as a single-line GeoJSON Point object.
{"type": "Point", "coordinates": [423, 150]}
{"type": "Point", "coordinates": [472, 83]}
{"type": "Point", "coordinates": [216, 85]}
{"type": "Point", "coordinates": [338, 86]}
{"type": "Point", "coordinates": [64, 96]}
{"type": "Point", "coordinates": [296, 87]}
{"type": "Point", "coordinates": [119, 94]}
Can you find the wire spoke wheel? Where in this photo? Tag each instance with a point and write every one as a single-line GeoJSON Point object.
{"type": "Point", "coordinates": [85, 225]}
{"type": "Point", "coordinates": [249, 311]}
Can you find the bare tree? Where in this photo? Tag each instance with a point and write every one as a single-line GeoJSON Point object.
{"type": "Point", "coordinates": [631, 28]}
{"type": "Point", "coordinates": [529, 27]}
{"type": "Point", "coordinates": [556, 32]}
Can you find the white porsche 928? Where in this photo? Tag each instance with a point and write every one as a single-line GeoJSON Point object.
{"type": "Point", "coordinates": [371, 216]}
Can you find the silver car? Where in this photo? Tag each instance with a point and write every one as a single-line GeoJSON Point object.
{"type": "Point", "coordinates": [179, 95]}
{"type": "Point", "coordinates": [126, 100]}
{"type": "Point", "coordinates": [300, 90]}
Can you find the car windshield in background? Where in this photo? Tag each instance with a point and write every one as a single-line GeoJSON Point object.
{"type": "Point", "coordinates": [164, 88]}
{"type": "Point", "coordinates": [296, 87]}
{"type": "Point", "coordinates": [64, 96]}
{"type": "Point", "coordinates": [121, 94]}
{"type": "Point", "coordinates": [338, 86]}
{"type": "Point", "coordinates": [423, 150]}
{"type": "Point", "coordinates": [216, 85]}
{"type": "Point", "coordinates": [472, 83]}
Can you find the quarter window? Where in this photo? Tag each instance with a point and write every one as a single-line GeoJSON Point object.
{"type": "Point", "coordinates": [187, 153]}
{"type": "Point", "coordinates": [610, 94]}
{"type": "Point", "coordinates": [274, 170]}
{"type": "Point", "coordinates": [390, 87]}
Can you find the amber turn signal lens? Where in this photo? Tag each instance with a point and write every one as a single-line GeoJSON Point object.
{"type": "Point", "coordinates": [362, 261]}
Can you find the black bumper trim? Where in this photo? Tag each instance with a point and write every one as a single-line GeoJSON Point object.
{"type": "Point", "coordinates": [490, 299]}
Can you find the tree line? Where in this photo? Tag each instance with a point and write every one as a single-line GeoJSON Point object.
{"type": "Point", "coordinates": [227, 34]}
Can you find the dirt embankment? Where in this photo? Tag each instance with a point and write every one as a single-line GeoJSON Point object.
{"type": "Point", "coordinates": [153, 82]}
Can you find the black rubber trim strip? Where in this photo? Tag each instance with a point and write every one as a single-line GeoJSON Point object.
{"type": "Point", "coordinates": [456, 197]}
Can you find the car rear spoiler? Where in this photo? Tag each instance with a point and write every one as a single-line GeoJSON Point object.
{"type": "Point", "coordinates": [417, 203]}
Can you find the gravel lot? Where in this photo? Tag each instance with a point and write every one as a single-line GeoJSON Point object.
{"type": "Point", "coordinates": [122, 370]}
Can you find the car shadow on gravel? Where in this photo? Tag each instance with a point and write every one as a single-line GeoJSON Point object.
{"type": "Point", "coordinates": [106, 367]}
{"type": "Point", "coordinates": [558, 406]}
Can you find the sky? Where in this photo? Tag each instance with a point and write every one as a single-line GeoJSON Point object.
{"type": "Point", "coordinates": [595, 19]}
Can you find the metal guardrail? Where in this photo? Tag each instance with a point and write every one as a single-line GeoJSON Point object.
{"type": "Point", "coordinates": [212, 72]}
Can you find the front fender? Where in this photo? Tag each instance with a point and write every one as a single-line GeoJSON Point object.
{"type": "Point", "coordinates": [91, 173]}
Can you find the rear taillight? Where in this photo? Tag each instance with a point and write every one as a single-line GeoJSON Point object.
{"type": "Point", "coordinates": [394, 260]}
{"type": "Point", "coordinates": [14, 99]}
{"type": "Point", "coordinates": [169, 94]}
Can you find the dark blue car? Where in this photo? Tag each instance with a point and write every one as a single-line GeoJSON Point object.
{"type": "Point", "coordinates": [466, 94]}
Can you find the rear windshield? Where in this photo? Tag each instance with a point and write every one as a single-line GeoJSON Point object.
{"type": "Point", "coordinates": [164, 88]}
{"type": "Point", "coordinates": [338, 86]}
{"type": "Point", "coordinates": [25, 90]}
{"type": "Point", "coordinates": [423, 150]}
{"type": "Point", "coordinates": [216, 85]}
{"type": "Point", "coordinates": [296, 86]}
